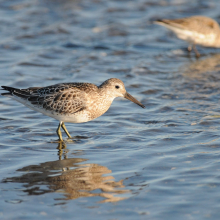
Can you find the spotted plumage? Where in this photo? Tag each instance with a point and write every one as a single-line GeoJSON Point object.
{"type": "Point", "coordinates": [71, 102]}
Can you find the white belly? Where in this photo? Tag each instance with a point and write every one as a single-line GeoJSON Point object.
{"type": "Point", "coordinates": [79, 117]}
{"type": "Point", "coordinates": [195, 37]}
{"type": "Point", "coordinates": [72, 118]}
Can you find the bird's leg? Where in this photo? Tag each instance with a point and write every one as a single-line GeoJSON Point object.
{"type": "Point", "coordinates": [189, 48]}
{"type": "Point", "coordinates": [64, 128]}
{"type": "Point", "coordinates": [196, 51]}
{"type": "Point", "coordinates": [59, 132]}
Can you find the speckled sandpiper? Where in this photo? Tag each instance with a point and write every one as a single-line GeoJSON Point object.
{"type": "Point", "coordinates": [71, 102]}
{"type": "Point", "coordinates": [199, 30]}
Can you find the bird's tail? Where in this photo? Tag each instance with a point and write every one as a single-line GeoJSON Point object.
{"type": "Point", "coordinates": [158, 21]}
{"type": "Point", "coordinates": [9, 89]}
{"type": "Point", "coordinates": [163, 22]}
{"type": "Point", "coordinates": [14, 92]}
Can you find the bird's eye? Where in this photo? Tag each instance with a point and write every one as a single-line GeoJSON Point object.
{"type": "Point", "coordinates": [117, 87]}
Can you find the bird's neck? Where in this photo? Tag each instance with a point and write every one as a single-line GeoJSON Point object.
{"type": "Point", "coordinates": [105, 92]}
{"type": "Point", "coordinates": [102, 103]}
{"type": "Point", "coordinates": [106, 97]}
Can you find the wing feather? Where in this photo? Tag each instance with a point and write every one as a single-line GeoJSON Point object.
{"type": "Point", "coordinates": [201, 24]}
{"type": "Point", "coordinates": [62, 99]}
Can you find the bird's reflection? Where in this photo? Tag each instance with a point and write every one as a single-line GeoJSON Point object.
{"type": "Point", "coordinates": [71, 178]}
{"type": "Point", "coordinates": [197, 68]}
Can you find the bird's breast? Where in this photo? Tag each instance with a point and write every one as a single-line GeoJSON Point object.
{"type": "Point", "coordinates": [97, 107]}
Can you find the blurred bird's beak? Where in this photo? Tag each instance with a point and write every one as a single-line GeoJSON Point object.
{"type": "Point", "coordinates": [131, 98]}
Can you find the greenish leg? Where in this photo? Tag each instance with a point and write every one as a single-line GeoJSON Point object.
{"type": "Point", "coordinates": [64, 128]}
{"type": "Point", "coordinates": [196, 51]}
{"type": "Point", "coordinates": [189, 48]}
{"type": "Point", "coordinates": [59, 132]}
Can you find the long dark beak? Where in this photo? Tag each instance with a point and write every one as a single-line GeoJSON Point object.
{"type": "Point", "coordinates": [131, 98]}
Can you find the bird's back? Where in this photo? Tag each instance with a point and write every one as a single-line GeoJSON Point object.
{"type": "Point", "coordinates": [63, 98]}
{"type": "Point", "coordinates": [201, 24]}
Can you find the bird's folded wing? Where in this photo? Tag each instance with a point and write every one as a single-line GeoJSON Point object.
{"type": "Point", "coordinates": [202, 25]}
{"type": "Point", "coordinates": [60, 99]}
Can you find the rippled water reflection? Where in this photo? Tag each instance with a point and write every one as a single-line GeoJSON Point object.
{"type": "Point", "coordinates": [158, 163]}
{"type": "Point", "coordinates": [70, 178]}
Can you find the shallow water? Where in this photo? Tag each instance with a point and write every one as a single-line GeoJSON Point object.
{"type": "Point", "coordinates": [161, 162]}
